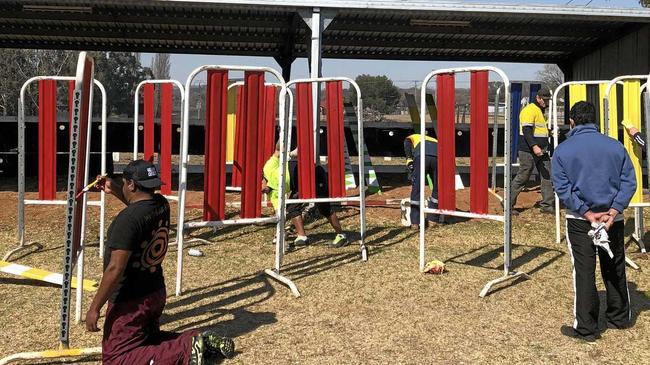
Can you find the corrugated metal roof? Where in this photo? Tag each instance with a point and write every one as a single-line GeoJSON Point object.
{"type": "Point", "coordinates": [397, 29]}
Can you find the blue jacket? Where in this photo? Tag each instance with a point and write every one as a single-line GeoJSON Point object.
{"type": "Point", "coordinates": [591, 171]}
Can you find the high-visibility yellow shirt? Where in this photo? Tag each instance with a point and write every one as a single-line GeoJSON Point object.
{"type": "Point", "coordinates": [271, 173]}
{"type": "Point", "coordinates": [532, 116]}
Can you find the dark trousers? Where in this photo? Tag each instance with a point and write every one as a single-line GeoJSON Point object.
{"type": "Point", "coordinates": [583, 255]}
{"type": "Point", "coordinates": [431, 169]}
{"type": "Point", "coordinates": [132, 334]}
{"type": "Point", "coordinates": [527, 162]}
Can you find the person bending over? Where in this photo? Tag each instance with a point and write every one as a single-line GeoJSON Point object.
{"type": "Point", "coordinates": [594, 178]}
{"type": "Point", "coordinates": [133, 282]}
{"type": "Point", "coordinates": [294, 211]}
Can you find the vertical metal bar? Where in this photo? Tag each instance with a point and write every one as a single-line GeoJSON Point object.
{"type": "Point", "coordinates": [495, 139]}
{"type": "Point", "coordinates": [285, 144]}
{"type": "Point", "coordinates": [102, 206]}
{"type": "Point", "coordinates": [646, 105]}
{"type": "Point", "coordinates": [316, 32]}
{"type": "Point", "coordinates": [136, 112]}
{"type": "Point", "coordinates": [423, 135]}
{"type": "Point", "coordinates": [558, 237]}
{"type": "Point", "coordinates": [21, 169]}
{"type": "Point", "coordinates": [362, 180]}
{"type": "Point", "coordinates": [182, 184]}
{"type": "Point", "coordinates": [507, 165]}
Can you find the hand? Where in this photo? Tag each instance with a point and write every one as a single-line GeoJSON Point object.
{"type": "Point", "coordinates": [608, 220]}
{"type": "Point", "coordinates": [108, 185]}
{"type": "Point", "coordinates": [91, 320]}
{"type": "Point", "coordinates": [537, 151]}
{"type": "Point", "coordinates": [594, 217]}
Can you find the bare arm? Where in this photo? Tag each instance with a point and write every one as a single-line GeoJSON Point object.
{"type": "Point", "coordinates": [110, 279]}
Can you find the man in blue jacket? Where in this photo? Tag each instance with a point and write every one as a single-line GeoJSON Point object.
{"type": "Point", "coordinates": [594, 178]}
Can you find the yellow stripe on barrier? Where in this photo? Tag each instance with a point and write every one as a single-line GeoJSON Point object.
{"type": "Point", "coordinates": [632, 114]}
{"type": "Point", "coordinates": [577, 93]}
{"type": "Point", "coordinates": [42, 275]}
{"type": "Point", "coordinates": [230, 124]}
{"type": "Point", "coordinates": [613, 110]}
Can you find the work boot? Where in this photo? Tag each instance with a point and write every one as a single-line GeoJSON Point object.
{"type": "Point", "coordinates": [217, 345]}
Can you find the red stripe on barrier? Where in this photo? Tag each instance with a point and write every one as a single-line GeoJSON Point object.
{"type": "Point", "coordinates": [238, 155]}
{"type": "Point", "coordinates": [270, 110]}
{"type": "Point", "coordinates": [165, 156]}
{"type": "Point", "coordinates": [149, 111]}
{"type": "Point", "coordinates": [46, 139]}
{"type": "Point", "coordinates": [251, 194]}
{"type": "Point", "coordinates": [305, 132]}
{"type": "Point", "coordinates": [335, 139]}
{"type": "Point", "coordinates": [446, 142]}
{"type": "Point", "coordinates": [214, 174]}
{"type": "Point", "coordinates": [478, 186]}
{"type": "Point", "coordinates": [84, 124]}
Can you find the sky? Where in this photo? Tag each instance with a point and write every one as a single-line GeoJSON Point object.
{"type": "Point", "coordinates": [403, 73]}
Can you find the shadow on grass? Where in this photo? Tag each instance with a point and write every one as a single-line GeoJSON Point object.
{"type": "Point", "coordinates": [237, 294]}
{"type": "Point", "coordinates": [639, 300]}
{"type": "Point", "coordinates": [28, 282]}
{"type": "Point", "coordinates": [315, 265]}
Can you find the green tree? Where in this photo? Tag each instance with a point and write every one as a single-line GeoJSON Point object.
{"type": "Point", "coordinates": [120, 73]}
{"type": "Point", "coordinates": [645, 3]}
{"type": "Point", "coordinates": [378, 93]}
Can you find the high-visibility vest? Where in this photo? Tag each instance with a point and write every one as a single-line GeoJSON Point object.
{"type": "Point", "coordinates": [532, 116]}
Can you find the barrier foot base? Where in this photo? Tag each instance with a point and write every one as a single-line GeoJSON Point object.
{"type": "Point", "coordinates": [508, 277]}
{"type": "Point", "coordinates": [631, 263]}
{"type": "Point", "coordinates": [192, 240]}
{"type": "Point", "coordinates": [51, 354]}
{"type": "Point", "coordinates": [639, 242]}
{"type": "Point", "coordinates": [364, 253]}
{"type": "Point", "coordinates": [284, 280]}
{"type": "Point", "coordinates": [22, 247]}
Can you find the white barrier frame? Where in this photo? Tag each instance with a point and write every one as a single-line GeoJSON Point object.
{"type": "Point", "coordinates": [508, 274]}
{"type": "Point", "coordinates": [184, 161]}
{"type": "Point", "coordinates": [638, 207]}
{"type": "Point", "coordinates": [284, 154]}
{"type": "Point", "coordinates": [64, 351]}
{"type": "Point", "coordinates": [22, 202]}
{"type": "Point", "coordinates": [136, 108]}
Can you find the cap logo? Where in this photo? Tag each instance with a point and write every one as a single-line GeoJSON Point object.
{"type": "Point", "coordinates": [151, 171]}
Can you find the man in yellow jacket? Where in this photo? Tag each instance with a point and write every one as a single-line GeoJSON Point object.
{"type": "Point", "coordinates": [413, 152]}
{"type": "Point", "coordinates": [533, 151]}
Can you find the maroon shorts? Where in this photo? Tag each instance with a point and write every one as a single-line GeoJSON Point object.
{"type": "Point", "coordinates": [132, 334]}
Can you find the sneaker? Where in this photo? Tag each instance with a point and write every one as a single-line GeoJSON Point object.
{"type": "Point", "coordinates": [571, 332]}
{"type": "Point", "coordinates": [339, 241]}
{"type": "Point", "coordinates": [301, 241]}
{"type": "Point", "coordinates": [290, 247]}
{"type": "Point", "coordinates": [217, 345]}
{"type": "Point", "coordinates": [198, 350]}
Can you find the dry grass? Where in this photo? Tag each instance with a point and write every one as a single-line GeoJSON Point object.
{"type": "Point", "coordinates": [381, 311]}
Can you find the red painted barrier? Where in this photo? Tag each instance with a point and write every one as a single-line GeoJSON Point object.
{"type": "Point", "coordinates": [165, 155]}
{"type": "Point", "coordinates": [216, 116]}
{"type": "Point", "coordinates": [149, 112]}
{"type": "Point", "coordinates": [47, 139]}
{"type": "Point", "coordinates": [251, 193]}
{"type": "Point", "coordinates": [446, 91]}
{"type": "Point", "coordinates": [270, 110]}
{"type": "Point", "coordinates": [335, 139]}
{"type": "Point", "coordinates": [478, 186]}
{"type": "Point", "coordinates": [238, 156]}
{"type": "Point", "coordinates": [305, 132]}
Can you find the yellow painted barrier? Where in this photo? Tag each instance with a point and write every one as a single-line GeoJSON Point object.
{"type": "Point", "coordinates": [577, 93]}
{"type": "Point", "coordinates": [231, 123]}
{"type": "Point", "coordinates": [632, 115]}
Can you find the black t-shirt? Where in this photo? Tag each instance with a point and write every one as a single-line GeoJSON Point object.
{"type": "Point", "coordinates": [143, 229]}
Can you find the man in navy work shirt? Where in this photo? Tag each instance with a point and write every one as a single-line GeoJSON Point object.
{"type": "Point", "coordinates": [134, 285]}
{"type": "Point", "coordinates": [594, 178]}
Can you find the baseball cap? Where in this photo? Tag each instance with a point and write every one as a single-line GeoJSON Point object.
{"type": "Point", "coordinates": [544, 93]}
{"type": "Point", "coordinates": [144, 173]}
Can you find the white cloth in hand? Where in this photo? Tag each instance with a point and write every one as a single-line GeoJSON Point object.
{"type": "Point", "coordinates": [600, 237]}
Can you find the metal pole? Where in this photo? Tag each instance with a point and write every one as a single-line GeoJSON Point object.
{"type": "Point", "coordinates": [423, 134]}
{"type": "Point", "coordinates": [507, 165]}
{"type": "Point", "coordinates": [102, 194]}
{"type": "Point", "coordinates": [21, 169]}
{"type": "Point", "coordinates": [316, 33]}
{"type": "Point", "coordinates": [136, 111]}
